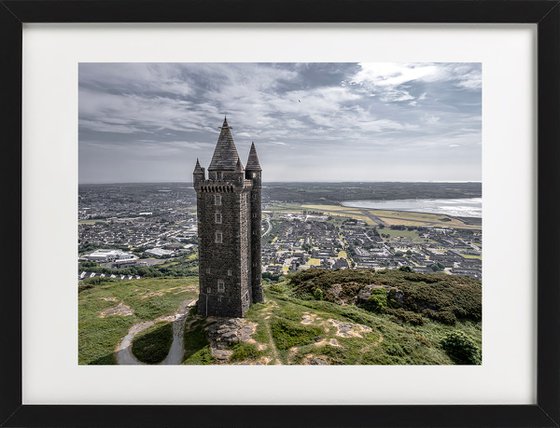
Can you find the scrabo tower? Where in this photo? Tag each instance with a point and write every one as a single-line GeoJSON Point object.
{"type": "Point", "coordinates": [229, 230]}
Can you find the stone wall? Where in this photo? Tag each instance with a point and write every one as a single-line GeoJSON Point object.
{"type": "Point", "coordinates": [228, 261]}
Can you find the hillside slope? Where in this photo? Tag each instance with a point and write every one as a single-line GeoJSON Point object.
{"type": "Point", "coordinates": [351, 317]}
{"type": "Point", "coordinates": [313, 317]}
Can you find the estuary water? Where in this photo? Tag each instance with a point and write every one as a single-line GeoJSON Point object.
{"type": "Point", "coordinates": [466, 207]}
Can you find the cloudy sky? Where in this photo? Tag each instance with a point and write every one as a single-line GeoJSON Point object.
{"type": "Point", "coordinates": [310, 121]}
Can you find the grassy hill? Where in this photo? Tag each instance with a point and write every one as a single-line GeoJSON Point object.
{"type": "Point", "coordinates": [313, 317]}
{"type": "Point", "coordinates": [108, 310]}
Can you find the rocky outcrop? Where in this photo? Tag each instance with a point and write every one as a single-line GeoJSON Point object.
{"type": "Point", "coordinates": [223, 333]}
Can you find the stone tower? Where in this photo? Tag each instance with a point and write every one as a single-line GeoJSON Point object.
{"type": "Point", "coordinates": [229, 230]}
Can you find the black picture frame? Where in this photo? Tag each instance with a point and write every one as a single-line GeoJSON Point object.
{"type": "Point", "coordinates": [544, 13]}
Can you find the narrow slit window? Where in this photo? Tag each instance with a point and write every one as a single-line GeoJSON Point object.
{"type": "Point", "coordinates": [217, 199]}
{"type": "Point", "coordinates": [218, 218]}
{"type": "Point", "coordinates": [221, 286]}
{"type": "Point", "coordinates": [219, 237]}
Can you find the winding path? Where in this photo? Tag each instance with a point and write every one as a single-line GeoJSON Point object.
{"type": "Point", "coordinates": [267, 219]}
{"type": "Point", "coordinates": [123, 352]}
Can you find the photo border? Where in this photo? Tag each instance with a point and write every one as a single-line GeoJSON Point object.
{"type": "Point", "coordinates": [546, 14]}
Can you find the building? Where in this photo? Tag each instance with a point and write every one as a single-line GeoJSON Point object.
{"type": "Point", "coordinates": [229, 230]}
{"type": "Point", "coordinates": [160, 252]}
{"type": "Point", "coordinates": [103, 256]}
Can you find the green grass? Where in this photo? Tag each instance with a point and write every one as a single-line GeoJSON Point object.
{"type": "Point", "coordinates": [471, 256]}
{"type": "Point", "coordinates": [152, 345]}
{"type": "Point", "coordinates": [197, 348]}
{"type": "Point", "coordinates": [280, 335]}
{"type": "Point", "coordinates": [289, 333]}
{"type": "Point", "coordinates": [441, 297]}
{"type": "Point", "coordinates": [148, 298]}
{"type": "Point", "coordinates": [389, 343]}
{"type": "Point", "coordinates": [98, 337]}
{"type": "Point", "coordinates": [410, 234]}
{"type": "Point", "coordinates": [245, 352]}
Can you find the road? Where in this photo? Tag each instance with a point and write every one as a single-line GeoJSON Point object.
{"type": "Point", "coordinates": [373, 217]}
{"type": "Point", "coordinates": [269, 227]}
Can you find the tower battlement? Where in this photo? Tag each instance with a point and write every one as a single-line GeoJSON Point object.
{"type": "Point", "coordinates": [229, 230]}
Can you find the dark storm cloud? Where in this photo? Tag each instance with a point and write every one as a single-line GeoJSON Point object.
{"type": "Point", "coordinates": [310, 121]}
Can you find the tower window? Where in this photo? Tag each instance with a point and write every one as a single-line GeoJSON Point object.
{"type": "Point", "coordinates": [218, 218]}
{"type": "Point", "coordinates": [208, 271]}
{"type": "Point", "coordinates": [221, 286]}
{"type": "Point", "coordinates": [229, 272]}
{"type": "Point", "coordinates": [218, 238]}
{"type": "Point", "coordinates": [217, 199]}
{"type": "Point", "coordinates": [208, 290]}
{"type": "Point", "coordinates": [220, 175]}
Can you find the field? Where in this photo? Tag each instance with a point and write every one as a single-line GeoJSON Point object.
{"type": "Point", "coordinates": [471, 256]}
{"type": "Point", "coordinates": [408, 234]}
{"type": "Point", "coordinates": [390, 218]}
{"type": "Point", "coordinates": [91, 221]}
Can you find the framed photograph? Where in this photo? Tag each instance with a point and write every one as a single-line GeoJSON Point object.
{"type": "Point", "coordinates": [296, 213]}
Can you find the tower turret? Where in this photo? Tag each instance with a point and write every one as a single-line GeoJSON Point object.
{"type": "Point", "coordinates": [199, 175]}
{"type": "Point", "coordinates": [253, 163]}
{"type": "Point", "coordinates": [239, 172]}
{"type": "Point", "coordinates": [224, 160]}
{"type": "Point", "coordinates": [253, 173]}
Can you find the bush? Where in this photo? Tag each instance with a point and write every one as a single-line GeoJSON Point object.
{"type": "Point", "coordinates": [84, 287]}
{"type": "Point", "coordinates": [461, 349]}
{"type": "Point", "coordinates": [245, 351]}
{"type": "Point", "coordinates": [318, 293]}
{"type": "Point", "coordinates": [445, 316]}
{"type": "Point", "coordinates": [97, 280]}
{"type": "Point", "coordinates": [443, 298]}
{"type": "Point", "coordinates": [152, 345]}
{"type": "Point", "coordinates": [401, 315]}
{"type": "Point", "coordinates": [377, 302]}
{"type": "Point", "coordinates": [289, 333]}
{"type": "Point", "coordinates": [278, 288]}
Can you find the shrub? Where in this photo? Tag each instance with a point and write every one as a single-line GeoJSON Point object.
{"type": "Point", "coordinates": [97, 280]}
{"type": "Point", "coordinates": [444, 316]}
{"type": "Point", "coordinates": [377, 302]}
{"type": "Point", "coordinates": [152, 345]}
{"type": "Point", "coordinates": [245, 351]}
{"type": "Point", "coordinates": [460, 348]}
{"type": "Point", "coordinates": [401, 315]}
{"type": "Point", "coordinates": [318, 293]}
{"type": "Point", "coordinates": [84, 287]}
{"type": "Point", "coordinates": [443, 298]}
{"type": "Point", "coordinates": [289, 333]}
{"type": "Point", "coordinates": [278, 288]}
